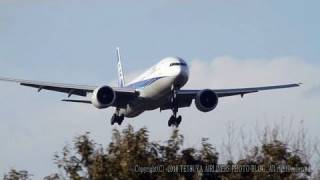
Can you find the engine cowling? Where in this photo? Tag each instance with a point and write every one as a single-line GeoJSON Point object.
{"type": "Point", "coordinates": [103, 97]}
{"type": "Point", "coordinates": [206, 100]}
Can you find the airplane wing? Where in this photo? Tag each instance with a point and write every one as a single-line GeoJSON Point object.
{"type": "Point", "coordinates": [185, 97]}
{"type": "Point", "coordinates": [238, 91]}
{"type": "Point", "coordinates": [70, 89]}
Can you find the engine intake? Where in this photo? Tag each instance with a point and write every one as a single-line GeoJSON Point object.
{"type": "Point", "coordinates": [103, 97]}
{"type": "Point", "coordinates": [206, 100]}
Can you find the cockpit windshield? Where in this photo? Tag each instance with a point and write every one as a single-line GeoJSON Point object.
{"type": "Point", "coordinates": [178, 64]}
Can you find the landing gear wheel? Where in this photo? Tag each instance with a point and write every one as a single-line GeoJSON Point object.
{"type": "Point", "coordinates": [178, 121]}
{"type": "Point", "coordinates": [120, 119]}
{"type": "Point", "coordinates": [117, 119]}
{"type": "Point", "coordinates": [171, 121]}
{"type": "Point", "coordinates": [113, 119]}
{"type": "Point", "coordinates": [174, 121]}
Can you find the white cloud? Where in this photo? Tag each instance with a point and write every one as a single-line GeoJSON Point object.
{"type": "Point", "coordinates": [260, 108]}
{"type": "Point", "coordinates": [34, 127]}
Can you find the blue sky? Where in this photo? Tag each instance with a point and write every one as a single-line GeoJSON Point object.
{"type": "Point", "coordinates": [74, 42]}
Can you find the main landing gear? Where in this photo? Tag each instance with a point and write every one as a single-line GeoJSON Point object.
{"type": "Point", "coordinates": [117, 119]}
{"type": "Point", "coordinates": [174, 119]}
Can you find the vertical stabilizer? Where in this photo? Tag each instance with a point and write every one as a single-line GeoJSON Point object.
{"type": "Point", "coordinates": [120, 71]}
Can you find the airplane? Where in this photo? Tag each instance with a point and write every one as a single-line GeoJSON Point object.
{"type": "Point", "coordinates": [160, 87]}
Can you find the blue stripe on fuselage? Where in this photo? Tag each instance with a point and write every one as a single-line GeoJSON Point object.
{"type": "Point", "coordinates": [144, 83]}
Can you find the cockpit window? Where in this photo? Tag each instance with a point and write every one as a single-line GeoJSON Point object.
{"type": "Point", "coordinates": [178, 64]}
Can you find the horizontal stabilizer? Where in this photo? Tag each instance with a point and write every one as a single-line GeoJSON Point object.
{"type": "Point", "coordinates": [77, 101]}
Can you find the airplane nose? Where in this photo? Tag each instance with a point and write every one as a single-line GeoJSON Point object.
{"type": "Point", "coordinates": [184, 71]}
{"type": "Point", "coordinates": [182, 76]}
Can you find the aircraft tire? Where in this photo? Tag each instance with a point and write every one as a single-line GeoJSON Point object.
{"type": "Point", "coordinates": [113, 119]}
{"type": "Point", "coordinates": [120, 119]}
{"type": "Point", "coordinates": [171, 121]}
{"type": "Point", "coordinates": [178, 121]}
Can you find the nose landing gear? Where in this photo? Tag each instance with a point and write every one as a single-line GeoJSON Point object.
{"type": "Point", "coordinates": [174, 119]}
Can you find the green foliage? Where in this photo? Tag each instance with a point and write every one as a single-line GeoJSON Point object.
{"type": "Point", "coordinates": [17, 175]}
{"type": "Point", "coordinates": [131, 154]}
{"type": "Point", "coordinates": [276, 159]}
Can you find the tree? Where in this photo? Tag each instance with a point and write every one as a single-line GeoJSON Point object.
{"type": "Point", "coordinates": [17, 175]}
{"type": "Point", "coordinates": [131, 155]}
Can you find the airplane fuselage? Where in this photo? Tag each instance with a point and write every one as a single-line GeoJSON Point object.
{"type": "Point", "coordinates": [155, 85]}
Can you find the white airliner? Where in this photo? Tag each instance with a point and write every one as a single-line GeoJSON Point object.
{"type": "Point", "coordinates": [158, 87]}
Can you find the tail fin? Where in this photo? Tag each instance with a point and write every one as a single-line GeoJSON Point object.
{"type": "Point", "coordinates": [120, 71]}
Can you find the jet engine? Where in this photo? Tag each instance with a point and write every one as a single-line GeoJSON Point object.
{"type": "Point", "coordinates": [103, 97]}
{"type": "Point", "coordinates": [206, 100]}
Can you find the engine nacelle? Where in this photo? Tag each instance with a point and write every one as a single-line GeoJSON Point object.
{"type": "Point", "coordinates": [206, 100]}
{"type": "Point", "coordinates": [103, 97]}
